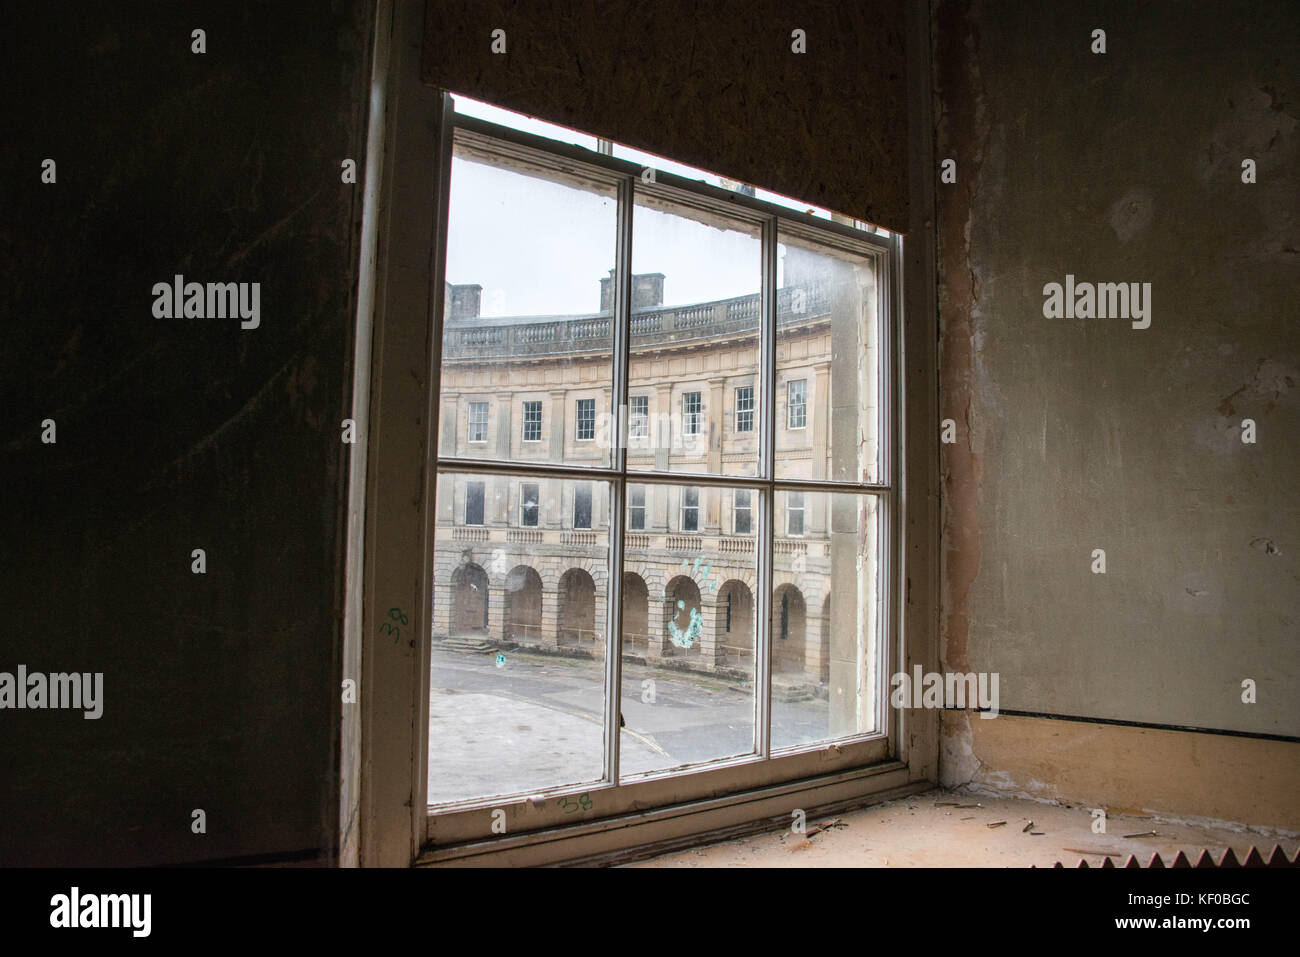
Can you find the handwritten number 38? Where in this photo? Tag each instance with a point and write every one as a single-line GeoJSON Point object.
{"type": "Point", "coordinates": [584, 803]}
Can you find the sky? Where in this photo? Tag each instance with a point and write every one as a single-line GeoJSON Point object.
{"type": "Point", "coordinates": [538, 247]}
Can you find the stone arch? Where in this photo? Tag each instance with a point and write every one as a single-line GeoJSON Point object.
{"type": "Point", "coordinates": [469, 599]}
{"type": "Point", "coordinates": [636, 614]}
{"type": "Point", "coordinates": [735, 622]}
{"type": "Point", "coordinates": [681, 598]}
{"type": "Point", "coordinates": [523, 605]}
{"type": "Point", "coordinates": [789, 627]}
{"type": "Point", "coordinates": [576, 608]}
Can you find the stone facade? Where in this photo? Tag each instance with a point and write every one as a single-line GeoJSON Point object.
{"type": "Point", "coordinates": [525, 561]}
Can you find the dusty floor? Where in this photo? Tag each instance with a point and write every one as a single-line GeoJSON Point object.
{"type": "Point", "coordinates": [927, 831]}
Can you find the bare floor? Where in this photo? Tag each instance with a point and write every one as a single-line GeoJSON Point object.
{"type": "Point", "coordinates": [955, 829]}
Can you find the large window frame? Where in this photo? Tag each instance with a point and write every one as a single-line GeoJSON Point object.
{"type": "Point", "coordinates": [407, 206]}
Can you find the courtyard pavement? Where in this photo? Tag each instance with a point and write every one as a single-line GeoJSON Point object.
{"type": "Point", "coordinates": [536, 721]}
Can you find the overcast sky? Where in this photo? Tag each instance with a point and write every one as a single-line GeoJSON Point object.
{"type": "Point", "coordinates": [541, 248]}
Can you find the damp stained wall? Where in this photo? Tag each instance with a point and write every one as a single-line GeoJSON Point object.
{"type": "Point", "coordinates": [220, 690]}
{"type": "Point", "coordinates": [1083, 434]}
{"type": "Point", "coordinates": [715, 84]}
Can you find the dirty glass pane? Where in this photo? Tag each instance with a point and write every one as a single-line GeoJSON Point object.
{"type": "Point", "coordinates": [828, 363]}
{"type": "Point", "coordinates": [689, 600]}
{"type": "Point", "coordinates": [825, 607]}
{"type": "Point", "coordinates": [517, 683]}
{"type": "Point", "coordinates": [694, 346]}
{"type": "Point", "coordinates": [527, 355]}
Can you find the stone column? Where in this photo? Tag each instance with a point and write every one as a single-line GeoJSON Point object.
{"type": "Point", "coordinates": [550, 619]}
{"type": "Point", "coordinates": [448, 443]}
{"type": "Point", "coordinates": [715, 418]}
{"type": "Point", "coordinates": [505, 435]}
{"type": "Point", "coordinates": [662, 434]}
{"type": "Point", "coordinates": [557, 424]}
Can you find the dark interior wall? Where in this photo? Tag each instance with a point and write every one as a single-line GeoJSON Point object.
{"type": "Point", "coordinates": [220, 690]}
{"type": "Point", "coordinates": [1083, 434]}
{"type": "Point", "coordinates": [714, 84]}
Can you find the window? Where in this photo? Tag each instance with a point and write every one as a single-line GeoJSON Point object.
{"type": "Point", "coordinates": [662, 291]}
{"type": "Point", "coordinates": [691, 415]}
{"type": "Point", "coordinates": [639, 416]}
{"type": "Point", "coordinates": [478, 421]}
{"type": "Point", "coordinates": [473, 503]}
{"type": "Point", "coordinates": [582, 505]}
{"type": "Point", "coordinates": [741, 513]}
{"type": "Point", "coordinates": [586, 420]}
{"type": "Point", "coordinates": [528, 507]}
{"type": "Point", "coordinates": [533, 421]}
{"type": "Point", "coordinates": [690, 509]}
{"type": "Point", "coordinates": [794, 513]}
{"type": "Point", "coordinates": [745, 408]}
{"type": "Point", "coordinates": [797, 404]}
{"type": "Point", "coordinates": [636, 507]}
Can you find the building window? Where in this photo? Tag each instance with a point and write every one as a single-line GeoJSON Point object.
{"type": "Point", "coordinates": [690, 509]}
{"type": "Point", "coordinates": [692, 414]}
{"type": "Point", "coordinates": [478, 421]}
{"type": "Point", "coordinates": [794, 513]}
{"type": "Point", "coordinates": [745, 409]}
{"type": "Point", "coordinates": [473, 503]}
{"type": "Point", "coordinates": [528, 507]}
{"type": "Point", "coordinates": [533, 421]}
{"type": "Point", "coordinates": [582, 505]}
{"type": "Point", "coordinates": [742, 514]}
{"type": "Point", "coordinates": [639, 416]}
{"type": "Point", "coordinates": [797, 404]}
{"type": "Point", "coordinates": [636, 507]}
{"type": "Point", "coordinates": [586, 420]}
{"type": "Point", "coordinates": [607, 328]}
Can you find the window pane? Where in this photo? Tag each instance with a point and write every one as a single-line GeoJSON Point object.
{"type": "Point", "coordinates": [478, 421]}
{"type": "Point", "coordinates": [797, 404]}
{"type": "Point", "coordinates": [517, 681]}
{"type": "Point", "coordinates": [530, 250]}
{"type": "Point", "coordinates": [639, 417]}
{"type": "Point", "coordinates": [694, 337]}
{"type": "Point", "coordinates": [582, 505]}
{"type": "Point", "coordinates": [828, 363]}
{"type": "Point", "coordinates": [825, 610]}
{"type": "Point", "coordinates": [473, 503]}
{"type": "Point", "coordinates": [690, 510]}
{"type": "Point", "coordinates": [688, 678]}
{"type": "Point", "coordinates": [745, 408]}
{"type": "Point", "coordinates": [636, 507]}
{"type": "Point", "coordinates": [586, 420]}
{"type": "Point", "coordinates": [742, 512]}
{"type": "Point", "coordinates": [529, 511]}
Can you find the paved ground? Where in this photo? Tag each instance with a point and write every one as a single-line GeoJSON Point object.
{"type": "Point", "coordinates": [537, 722]}
{"type": "Point", "coordinates": [927, 831]}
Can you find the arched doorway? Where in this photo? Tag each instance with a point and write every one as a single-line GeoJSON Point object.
{"type": "Point", "coordinates": [577, 611]}
{"type": "Point", "coordinates": [735, 627]}
{"type": "Point", "coordinates": [469, 599]}
{"type": "Point", "coordinates": [636, 614]}
{"type": "Point", "coordinates": [789, 616]}
{"type": "Point", "coordinates": [683, 617]}
{"type": "Point", "coordinates": [523, 605]}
